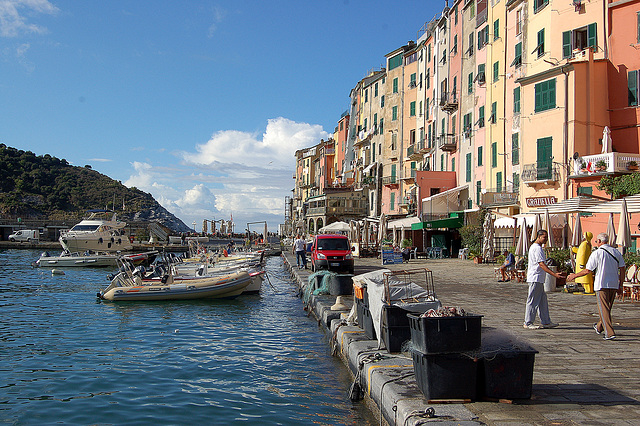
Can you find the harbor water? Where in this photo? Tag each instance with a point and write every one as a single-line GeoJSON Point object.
{"type": "Point", "coordinates": [66, 357]}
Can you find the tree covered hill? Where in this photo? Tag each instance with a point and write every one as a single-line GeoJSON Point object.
{"type": "Point", "coordinates": [45, 187]}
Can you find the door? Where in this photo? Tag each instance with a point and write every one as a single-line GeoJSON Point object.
{"type": "Point", "coordinates": [545, 159]}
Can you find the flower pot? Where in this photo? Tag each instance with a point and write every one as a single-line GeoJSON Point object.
{"type": "Point", "coordinates": [477, 260]}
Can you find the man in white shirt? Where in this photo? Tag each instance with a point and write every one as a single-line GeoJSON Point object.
{"type": "Point", "coordinates": [536, 273]}
{"type": "Point", "coordinates": [608, 265]}
{"type": "Point", "coordinates": [299, 248]}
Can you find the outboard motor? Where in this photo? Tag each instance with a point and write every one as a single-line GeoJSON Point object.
{"type": "Point", "coordinates": [139, 271]}
{"type": "Point", "coordinates": [200, 271]}
{"type": "Point", "coordinates": [45, 254]}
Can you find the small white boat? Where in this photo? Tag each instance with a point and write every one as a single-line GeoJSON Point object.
{"type": "Point", "coordinates": [98, 232]}
{"type": "Point", "coordinates": [127, 286]}
{"type": "Point", "coordinates": [67, 259]}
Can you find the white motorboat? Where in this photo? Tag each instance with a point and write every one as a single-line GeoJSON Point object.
{"type": "Point", "coordinates": [101, 231]}
{"type": "Point", "coordinates": [74, 259]}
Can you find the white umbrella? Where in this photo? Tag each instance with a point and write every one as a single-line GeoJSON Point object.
{"type": "Point", "coordinates": [487, 237]}
{"type": "Point", "coordinates": [366, 233]}
{"type": "Point", "coordinates": [522, 249]}
{"type": "Point", "coordinates": [335, 227]}
{"type": "Point", "coordinates": [624, 230]}
{"type": "Point", "coordinates": [576, 239]}
{"type": "Point", "coordinates": [402, 238]}
{"type": "Point", "coordinates": [611, 230]}
{"type": "Point", "coordinates": [546, 225]}
{"type": "Point", "coordinates": [395, 238]}
{"type": "Point", "coordinates": [536, 227]}
{"type": "Point", "coordinates": [382, 228]}
{"type": "Point", "coordinates": [607, 145]}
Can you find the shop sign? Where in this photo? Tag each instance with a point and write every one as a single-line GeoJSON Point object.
{"type": "Point", "coordinates": [541, 201]}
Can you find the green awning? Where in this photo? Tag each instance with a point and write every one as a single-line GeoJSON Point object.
{"type": "Point", "coordinates": [450, 222]}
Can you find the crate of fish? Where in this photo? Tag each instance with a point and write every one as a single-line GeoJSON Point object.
{"type": "Point", "coordinates": [445, 330]}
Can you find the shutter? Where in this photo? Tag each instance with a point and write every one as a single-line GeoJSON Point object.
{"type": "Point", "coordinates": [468, 167]}
{"type": "Point", "coordinates": [632, 76]}
{"type": "Point", "coordinates": [516, 100]}
{"type": "Point", "coordinates": [592, 35]}
{"type": "Point", "coordinates": [538, 98]}
{"type": "Point", "coordinates": [552, 94]}
{"type": "Point", "coordinates": [566, 44]}
{"type": "Point", "coordinates": [499, 182]}
{"type": "Point", "coordinates": [544, 158]}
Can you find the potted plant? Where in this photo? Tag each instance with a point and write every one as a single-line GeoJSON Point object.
{"type": "Point", "coordinates": [583, 167]}
{"type": "Point", "coordinates": [601, 165]}
{"type": "Point", "coordinates": [632, 165]}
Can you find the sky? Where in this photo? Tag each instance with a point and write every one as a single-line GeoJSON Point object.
{"type": "Point", "coordinates": [200, 103]}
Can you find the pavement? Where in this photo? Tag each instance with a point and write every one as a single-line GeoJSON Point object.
{"type": "Point", "coordinates": [579, 378]}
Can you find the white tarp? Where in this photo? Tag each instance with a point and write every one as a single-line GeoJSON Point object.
{"type": "Point", "coordinates": [404, 223]}
{"type": "Point", "coordinates": [451, 200]}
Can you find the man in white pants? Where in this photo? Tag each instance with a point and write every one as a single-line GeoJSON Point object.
{"type": "Point", "coordinates": [536, 273]}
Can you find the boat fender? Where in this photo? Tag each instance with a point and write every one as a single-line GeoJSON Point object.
{"type": "Point", "coordinates": [57, 272]}
{"type": "Point", "coordinates": [164, 279]}
{"type": "Point", "coordinates": [112, 240]}
{"type": "Point", "coordinates": [119, 240]}
{"type": "Point", "coordinates": [99, 240]}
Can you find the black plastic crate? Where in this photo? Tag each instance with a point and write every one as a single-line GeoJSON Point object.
{"type": "Point", "coordinates": [506, 375]}
{"type": "Point", "coordinates": [445, 376]}
{"type": "Point", "coordinates": [395, 336]}
{"type": "Point", "coordinates": [340, 284]}
{"type": "Point", "coordinates": [367, 324]}
{"type": "Point", "coordinates": [431, 335]}
{"type": "Point", "coordinates": [394, 316]}
{"type": "Point", "coordinates": [359, 312]}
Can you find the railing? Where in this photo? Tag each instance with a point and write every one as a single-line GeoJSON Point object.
{"type": "Point", "coordinates": [499, 198]}
{"type": "Point", "coordinates": [449, 101]}
{"type": "Point", "coordinates": [612, 162]}
{"type": "Point", "coordinates": [447, 142]}
{"type": "Point", "coordinates": [409, 173]}
{"type": "Point", "coordinates": [389, 180]}
{"type": "Point", "coordinates": [540, 172]}
{"type": "Point", "coordinates": [368, 180]}
{"type": "Point", "coordinates": [410, 150]}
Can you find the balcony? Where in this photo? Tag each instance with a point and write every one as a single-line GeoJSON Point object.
{"type": "Point", "coordinates": [409, 175]}
{"type": "Point", "coordinates": [499, 198]}
{"type": "Point", "coordinates": [449, 102]}
{"type": "Point", "coordinates": [601, 164]}
{"type": "Point", "coordinates": [390, 180]}
{"type": "Point", "coordinates": [447, 142]}
{"type": "Point", "coordinates": [368, 180]}
{"type": "Point", "coordinates": [423, 147]}
{"type": "Point", "coordinates": [540, 173]}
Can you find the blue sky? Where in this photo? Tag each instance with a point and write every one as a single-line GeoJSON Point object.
{"type": "Point", "coordinates": [200, 103]}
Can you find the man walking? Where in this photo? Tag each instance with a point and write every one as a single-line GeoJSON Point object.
{"type": "Point", "coordinates": [608, 265]}
{"type": "Point", "coordinates": [536, 273]}
{"type": "Point", "coordinates": [299, 248]}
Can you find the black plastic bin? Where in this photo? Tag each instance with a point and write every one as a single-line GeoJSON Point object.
{"type": "Point", "coordinates": [432, 335]}
{"type": "Point", "coordinates": [445, 376]}
{"type": "Point", "coordinates": [340, 284]}
{"type": "Point", "coordinates": [507, 375]}
{"type": "Point", "coordinates": [365, 321]}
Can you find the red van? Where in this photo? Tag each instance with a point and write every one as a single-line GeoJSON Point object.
{"type": "Point", "coordinates": [332, 252]}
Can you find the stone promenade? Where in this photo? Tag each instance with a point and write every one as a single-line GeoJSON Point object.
{"type": "Point", "coordinates": [578, 377]}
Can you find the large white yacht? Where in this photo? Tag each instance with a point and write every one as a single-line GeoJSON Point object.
{"type": "Point", "coordinates": [101, 231]}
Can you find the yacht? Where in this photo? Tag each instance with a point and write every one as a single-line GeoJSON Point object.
{"type": "Point", "coordinates": [101, 231]}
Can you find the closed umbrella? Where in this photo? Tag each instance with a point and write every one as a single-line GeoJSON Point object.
{"type": "Point", "coordinates": [382, 228]}
{"type": "Point", "coordinates": [366, 233]}
{"type": "Point", "coordinates": [576, 238]}
{"type": "Point", "coordinates": [546, 225]}
{"type": "Point", "coordinates": [536, 227]}
{"type": "Point", "coordinates": [351, 233]}
{"type": "Point", "coordinates": [395, 238]}
{"type": "Point", "coordinates": [611, 230]}
{"type": "Point", "coordinates": [522, 249]}
{"type": "Point", "coordinates": [402, 238]}
{"type": "Point", "coordinates": [487, 237]}
{"type": "Point", "coordinates": [624, 230]}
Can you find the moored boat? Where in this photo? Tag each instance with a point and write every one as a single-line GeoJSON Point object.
{"type": "Point", "coordinates": [90, 258]}
{"type": "Point", "coordinates": [98, 232]}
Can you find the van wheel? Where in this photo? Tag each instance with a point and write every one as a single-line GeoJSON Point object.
{"type": "Point", "coordinates": [29, 240]}
{"type": "Point", "coordinates": [13, 240]}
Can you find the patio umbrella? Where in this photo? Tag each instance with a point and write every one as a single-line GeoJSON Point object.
{"type": "Point", "coordinates": [366, 233]}
{"type": "Point", "coordinates": [402, 238]}
{"type": "Point", "coordinates": [576, 239]}
{"type": "Point", "coordinates": [382, 228]}
{"type": "Point", "coordinates": [624, 230]}
{"type": "Point", "coordinates": [395, 238]}
{"type": "Point", "coordinates": [351, 233]}
{"type": "Point", "coordinates": [607, 144]}
{"type": "Point", "coordinates": [522, 249]}
{"type": "Point", "coordinates": [487, 237]}
{"type": "Point", "coordinates": [546, 225]}
{"type": "Point", "coordinates": [536, 227]}
{"type": "Point", "coordinates": [611, 230]}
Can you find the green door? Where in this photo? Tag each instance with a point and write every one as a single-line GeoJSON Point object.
{"type": "Point", "coordinates": [544, 158]}
{"type": "Point", "coordinates": [438, 240]}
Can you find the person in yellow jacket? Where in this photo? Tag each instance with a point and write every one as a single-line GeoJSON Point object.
{"type": "Point", "coordinates": [582, 252]}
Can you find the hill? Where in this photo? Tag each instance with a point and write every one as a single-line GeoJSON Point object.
{"type": "Point", "coordinates": [45, 187]}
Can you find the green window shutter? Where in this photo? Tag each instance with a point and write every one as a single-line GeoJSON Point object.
{"type": "Point", "coordinates": [442, 162]}
{"type": "Point", "coordinates": [381, 125]}
{"type": "Point", "coordinates": [382, 101]}
{"type": "Point", "coordinates": [516, 182]}
{"type": "Point", "coordinates": [496, 29]}
{"type": "Point", "coordinates": [552, 93]}
{"type": "Point", "coordinates": [544, 158]}
{"type": "Point", "coordinates": [479, 156]}
{"type": "Point", "coordinates": [468, 170]}
{"type": "Point", "coordinates": [393, 172]}
{"type": "Point", "coordinates": [470, 83]}
{"type": "Point", "coordinates": [515, 149]}
{"type": "Point", "coordinates": [540, 42]}
{"type": "Point", "coordinates": [516, 100]}
{"type": "Point", "coordinates": [494, 112]}
{"type": "Point", "coordinates": [585, 190]}
{"type": "Point", "coordinates": [478, 191]}
{"type": "Point", "coordinates": [444, 124]}
{"type": "Point", "coordinates": [426, 109]}
{"type": "Point", "coordinates": [395, 85]}
{"type": "Point", "coordinates": [632, 77]}
{"type": "Point", "coordinates": [481, 70]}
{"type": "Point", "coordinates": [592, 35]}
{"type": "Point", "coordinates": [373, 151]}
{"type": "Point", "coordinates": [566, 44]}
{"type": "Point", "coordinates": [393, 201]}
{"type": "Point", "coordinates": [395, 62]}
{"type": "Point", "coordinates": [394, 113]}
{"type": "Point", "coordinates": [494, 154]}
{"type": "Point", "coordinates": [517, 60]}
{"type": "Point", "coordinates": [499, 182]}
{"type": "Point", "coordinates": [496, 70]}
{"type": "Point", "coordinates": [412, 108]}
{"type": "Point", "coordinates": [453, 164]}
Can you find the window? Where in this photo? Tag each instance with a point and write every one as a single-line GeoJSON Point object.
{"type": "Point", "coordinates": [412, 109]}
{"type": "Point", "coordinates": [478, 191]}
{"type": "Point", "coordinates": [365, 125]}
{"type": "Point", "coordinates": [426, 109]}
{"type": "Point", "coordinates": [395, 85]}
{"type": "Point", "coordinates": [429, 136]}
{"type": "Point", "coordinates": [454, 89]}
{"type": "Point", "coordinates": [480, 122]}
{"type": "Point", "coordinates": [518, 21]}
{"type": "Point", "coordinates": [373, 151]}
{"type": "Point", "coordinates": [395, 62]}
{"type": "Point", "coordinates": [579, 39]}
{"type": "Point", "coordinates": [392, 203]}
{"type": "Point", "coordinates": [539, 4]}
{"type": "Point", "coordinates": [496, 71]}
{"type": "Point", "coordinates": [381, 125]}
{"type": "Point", "coordinates": [375, 90]}
{"type": "Point", "coordinates": [453, 125]}
{"type": "Point", "coordinates": [393, 172]}
{"type": "Point", "coordinates": [382, 101]}
{"type": "Point", "coordinates": [540, 46]}
{"type": "Point", "coordinates": [455, 16]}
{"type": "Point", "coordinates": [633, 84]}
{"type": "Point", "coordinates": [454, 49]}
{"type": "Point", "coordinates": [470, 48]}
{"type": "Point", "coordinates": [394, 113]}
{"type": "Point", "coordinates": [470, 84]}
{"type": "Point", "coordinates": [483, 37]}
{"type": "Point", "coordinates": [494, 154]}
{"type": "Point", "coordinates": [366, 95]}
{"type": "Point", "coordinates": [453, 164]}
{"type": "Point", "coordinates": [516, 100]}
{"type": "Point", "coordinates": [375, 123]}
{"type": "Point", "coordinates": [480, 75]}
{"type": "Point", "coordinates": [545, 158]}
{"type": "Point", "coordinates": [442, 162]}
{"type": "Point", "coordinates": [420, 109]}
{"type": "Point", "coordinates": [545, 95]}
{"type": "Point", "coordinates": [466, 125]}
{"type": "Point", "coordinates": [429, 53]}
{"type": "Point", "coordinates": [499, 182]}
{"type": "Point", "coordinates": [479, 156]}
{"type": "Point", "coordinates": [494, 113]}
{"type": "Point", "coordinates": [638, 27]}
{"type": "Point", "coordinates": [517, 59]}
{"type": "Point", "coordinates": [428, 79]}
{"type": "Point", "coordinates": [496, 29]}
{"type": "Point", "coordinates": [444, 125]}
{"type": "Point", "coordinates": [516, 182]}
{"type": "Point", "coordinates": [412, 80]}
{"type": "Point", "coordinates": [468, 170]}
{"type": "Point", "coordinates": [515, 149]}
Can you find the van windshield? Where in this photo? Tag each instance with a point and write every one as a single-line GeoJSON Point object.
{"type": "Point", "coordinates": [333, 244]}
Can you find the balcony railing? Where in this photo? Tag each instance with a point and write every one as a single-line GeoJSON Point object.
{"type": "Point", "coordinates": [368, 180]}
{"type": "Point", "coordinates": [499, 198]}
{"type": "Point", "coordinates": [533, 173]}
{"type": "Point", "coordinates": [389, 180]}
{"type": "Point", "coordinates": [447, 142]}
{"type": "Point", "coordinates": [612, 162]}
{"type": "Point", "coordinates": [449, 101]}
{"type": "Point", "coordinates": [409, 174]}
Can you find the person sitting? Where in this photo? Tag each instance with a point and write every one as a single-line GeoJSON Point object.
{"type": "Point", "coordinates": [406, 254]}
{"type": "Point", "coordinates": [508, 265]}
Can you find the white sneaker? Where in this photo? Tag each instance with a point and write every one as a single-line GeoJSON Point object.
{"type": "Point", "coordinates": [531, 326]}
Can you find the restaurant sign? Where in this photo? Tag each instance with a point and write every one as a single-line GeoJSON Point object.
{"type": "Point", "coordinates": [541, 201]}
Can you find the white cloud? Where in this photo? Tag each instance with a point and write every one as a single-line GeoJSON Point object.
{"type": "Point", "coordinates": [218, 15]}
{"type": "Point", "coordinates": [13, 22]}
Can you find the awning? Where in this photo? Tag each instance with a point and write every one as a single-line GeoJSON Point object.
{"type": "Point", "coordinates": [404, 223]}
{"type": "Point", "coordinates": [369, 167]}
{"type": "Point", "coordinates": [451, 200]}
{"type": "Point", "coordinates": [456, 221]}
{"type": "Point", "coordinates": [615, 206]}
{"type": "Point", "coordinates": [572, 205]}
{"type": "Point", "coordinates": [557, 220]}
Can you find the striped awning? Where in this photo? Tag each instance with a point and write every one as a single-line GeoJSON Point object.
{"type": "Point", "coordinates": [615, 206]}
{"type": "Point", "coordinates": [572, 205]}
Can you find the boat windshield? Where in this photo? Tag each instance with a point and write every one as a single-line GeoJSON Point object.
{"type": "Point", "coordinates": [88, 228]}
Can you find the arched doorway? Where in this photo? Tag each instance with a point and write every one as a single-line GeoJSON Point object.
{"type": "Point", "coordinates": [311, 226]}
{"type": "Point", "coordinates": [319, 224]}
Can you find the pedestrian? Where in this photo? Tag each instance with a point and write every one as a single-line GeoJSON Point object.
{"type": "Point", "coordinates": [536, 274]}
{"type": "Point", "coordinates": [608, 265]}
{"type": "Point", "coordinates": [299, 248]}
{"type": "Point", "coordinates": [509, 264]}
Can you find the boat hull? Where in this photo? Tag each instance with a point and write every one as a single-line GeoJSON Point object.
{"type": "Point", "coordinates": [77, 261]}
{"type": "Point", "coordinates": [95, 243]}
